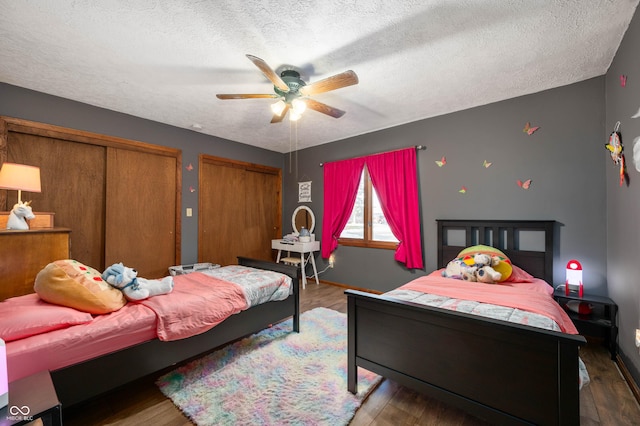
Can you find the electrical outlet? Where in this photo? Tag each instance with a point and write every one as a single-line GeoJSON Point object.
{"type": "Point", "coordinates": [331, 261]}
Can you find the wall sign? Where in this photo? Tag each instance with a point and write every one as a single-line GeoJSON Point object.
{"type": "Point", "coordinates": [304, 192]}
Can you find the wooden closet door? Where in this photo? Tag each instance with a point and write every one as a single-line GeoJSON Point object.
{"type": "Point", "coordinates": [141, 211]}
{"type": "Point", "coordinates": [72, 178]}
{"type": "Point", "coordinates": [239, 210]}
{"type": "Point", "coordinates": [262, 211]}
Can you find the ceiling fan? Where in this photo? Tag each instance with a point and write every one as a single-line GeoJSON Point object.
{"type": "Point", "coordinates": [293, 92]}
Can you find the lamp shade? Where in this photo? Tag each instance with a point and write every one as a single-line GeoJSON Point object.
{"type": "Point", "coordinates": [574, 277]}
{"type": "Point", "coordinates": [20, 177]}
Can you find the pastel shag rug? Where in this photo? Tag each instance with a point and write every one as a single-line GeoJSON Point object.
{"type": "Point", "coordinates": [274, 377]}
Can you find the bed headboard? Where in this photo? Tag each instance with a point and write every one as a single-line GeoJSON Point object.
{"type": "Point", "coordinates": [514, 237]}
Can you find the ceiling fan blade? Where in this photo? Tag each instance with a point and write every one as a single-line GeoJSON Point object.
{"type": "Point", "coordinates": [269, 73]}
{"type": "Point", "coordinates": [246, 96]}
{"type": "Point", "coordinates": [344, 79]}
{"type": "Point", "coordinates": [324, 108]}
{"type": "Point", "coordinates": [278, 118]}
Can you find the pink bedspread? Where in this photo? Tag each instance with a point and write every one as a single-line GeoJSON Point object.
{"type": "Point", "coordinates": [196, 304]}
{"type": "Point", "coordinates": [188, 310]}
{"type": "Point", "coordinates": [131, 325]}
{"type": "Point", "coordinates": [496, 294]}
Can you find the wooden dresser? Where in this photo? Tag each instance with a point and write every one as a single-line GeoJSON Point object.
{"type": "Point", "coordinates": [24, 253]}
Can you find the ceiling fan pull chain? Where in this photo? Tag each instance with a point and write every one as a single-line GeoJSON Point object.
{"type": "Point", "coordinates": [290, 144]}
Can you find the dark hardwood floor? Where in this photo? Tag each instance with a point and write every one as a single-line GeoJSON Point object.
{"type": "Point", "coordinates": [607, 400]}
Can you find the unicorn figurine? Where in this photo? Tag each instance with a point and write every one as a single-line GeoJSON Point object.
{"type": "Point", "coordinates": [19, 215]}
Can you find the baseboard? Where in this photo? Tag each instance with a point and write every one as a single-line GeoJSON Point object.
{"type": "Point", "coordinates": [628, 378]}
{"type": "Point", "coordinates": [350, 287]}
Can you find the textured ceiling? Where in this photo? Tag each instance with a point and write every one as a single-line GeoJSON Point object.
{"type": "Point", "coordinates": [165, 60]}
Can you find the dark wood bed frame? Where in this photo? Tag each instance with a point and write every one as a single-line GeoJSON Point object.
{"type": "Point", "coordinates": [501, 372]}
{"type": "Point", "coordinates": [91, 378]}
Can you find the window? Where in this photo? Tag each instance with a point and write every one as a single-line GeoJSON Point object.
{"type": "Point", "coordinates": [367, 225]}
{"type": "Point", "coordinates": [395, 178]}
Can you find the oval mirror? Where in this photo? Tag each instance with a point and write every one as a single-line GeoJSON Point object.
{"type": "Point", "coordinates": [303, 216]}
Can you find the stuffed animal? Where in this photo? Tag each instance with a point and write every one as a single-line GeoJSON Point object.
{"type": "Point", "coordinates": [460, 270]}
{"type": "Point", "coordinates": [485, 272]}
{"type": "Point", "coordinates": [480, 270]}
{"type": "Point", "coordinates": [133, 287]}
{"type": "Point", "coordinates": [453, 270]}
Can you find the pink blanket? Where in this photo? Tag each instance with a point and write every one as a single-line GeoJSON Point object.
{"type": "Point", "coordinates": [197, 303]}
{"type": "Point", "coordinates": [496, 294]}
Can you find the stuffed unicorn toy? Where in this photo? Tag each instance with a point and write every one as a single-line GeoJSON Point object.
{"type": "Point", "coordinates": [133, 287]}
{"type": "Point", "coordinates": [19, 215]}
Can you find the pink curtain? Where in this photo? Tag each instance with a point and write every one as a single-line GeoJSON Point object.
{"type": "Point", "coordinates": [394, 177]}
{"type": "Point", "coordinates": [341, 180]}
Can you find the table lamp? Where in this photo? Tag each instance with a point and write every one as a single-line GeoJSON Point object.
{"type": "Point", "coordinates": [574, 277]}
{"type": "Point", "coordinates": [20, 177]}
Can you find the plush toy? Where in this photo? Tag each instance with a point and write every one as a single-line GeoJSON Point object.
{"type": "Point", "coordinates": [454, 269]}
{"type": "Point", "coordinates": [503, 266]}
{"type": "Point", "coordinates": [133, 287]}
{"type": "Point", "coordinates": [485, 272]}
{"type": "Point", "coordinates": [480, 270]}
{"type": "Point", "coordinates": [460, 270]}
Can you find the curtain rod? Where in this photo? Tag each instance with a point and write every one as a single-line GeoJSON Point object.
{"type": "Point", "coordinates": [417, 147]}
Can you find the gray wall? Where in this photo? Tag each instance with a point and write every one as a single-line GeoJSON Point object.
{"type": "Point", "coordinates": [574, 181]}
{"type": "Point", "coordinates": [565, 159]}
{"type": "Point", "coordinates": [623, 204]}
{"type": "Point", "coordinates": [27, 104]}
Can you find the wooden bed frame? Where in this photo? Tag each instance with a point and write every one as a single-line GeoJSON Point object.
{"type": "Point", "coordinates": [501, 372]}
{"type": "Point", "coordinates": [91, 378]}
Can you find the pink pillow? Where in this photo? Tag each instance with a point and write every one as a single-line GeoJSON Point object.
{"type": "Point", "coordinates": [519, 275]}
{"type": "Point", "coordinates": [28, 315]}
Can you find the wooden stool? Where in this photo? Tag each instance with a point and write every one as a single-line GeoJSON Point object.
{"type": "Point", "coordinates": [293, 261]}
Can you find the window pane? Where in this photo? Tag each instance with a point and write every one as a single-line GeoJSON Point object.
{"type": "Point", "coordinates": [381, 230]}
{"type": "Point", "coordinates": [355, 226]}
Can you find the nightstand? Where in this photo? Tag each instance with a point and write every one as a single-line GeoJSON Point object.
{"type": "Point", "coordinates": [600, 323]}
{"type": "Point", "coordinates": [32, 397]}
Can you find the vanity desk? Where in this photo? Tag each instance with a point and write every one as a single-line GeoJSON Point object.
{"type": "Point", "coordinates": [304, 249]}
{"type": "Point", "coordinates": [302, 218]}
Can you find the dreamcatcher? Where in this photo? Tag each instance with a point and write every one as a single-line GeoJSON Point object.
{"type": "Point", "coordinates": [617, 155]}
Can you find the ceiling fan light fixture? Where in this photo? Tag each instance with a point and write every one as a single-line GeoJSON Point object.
{"type": "Point", "coordinates": [299, 106]}
{"type": "Point", "coordinates": [278, 107]}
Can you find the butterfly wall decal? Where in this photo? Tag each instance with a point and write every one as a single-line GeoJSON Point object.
{"type": "Point", "coordinates": [463, 190]}
{"type": "Point", "coordinates": [529, 130]}
{"type": "Point", "coordinates": [623, 80]}
{"type": "Point", "coordinates": [441, 162]}
{"type": "Point", "coordinates": [189, 167]}
{"type": "Point", "coordinates": [486, 164]}
{"type": "Point", "coordinates": [524, 185]}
